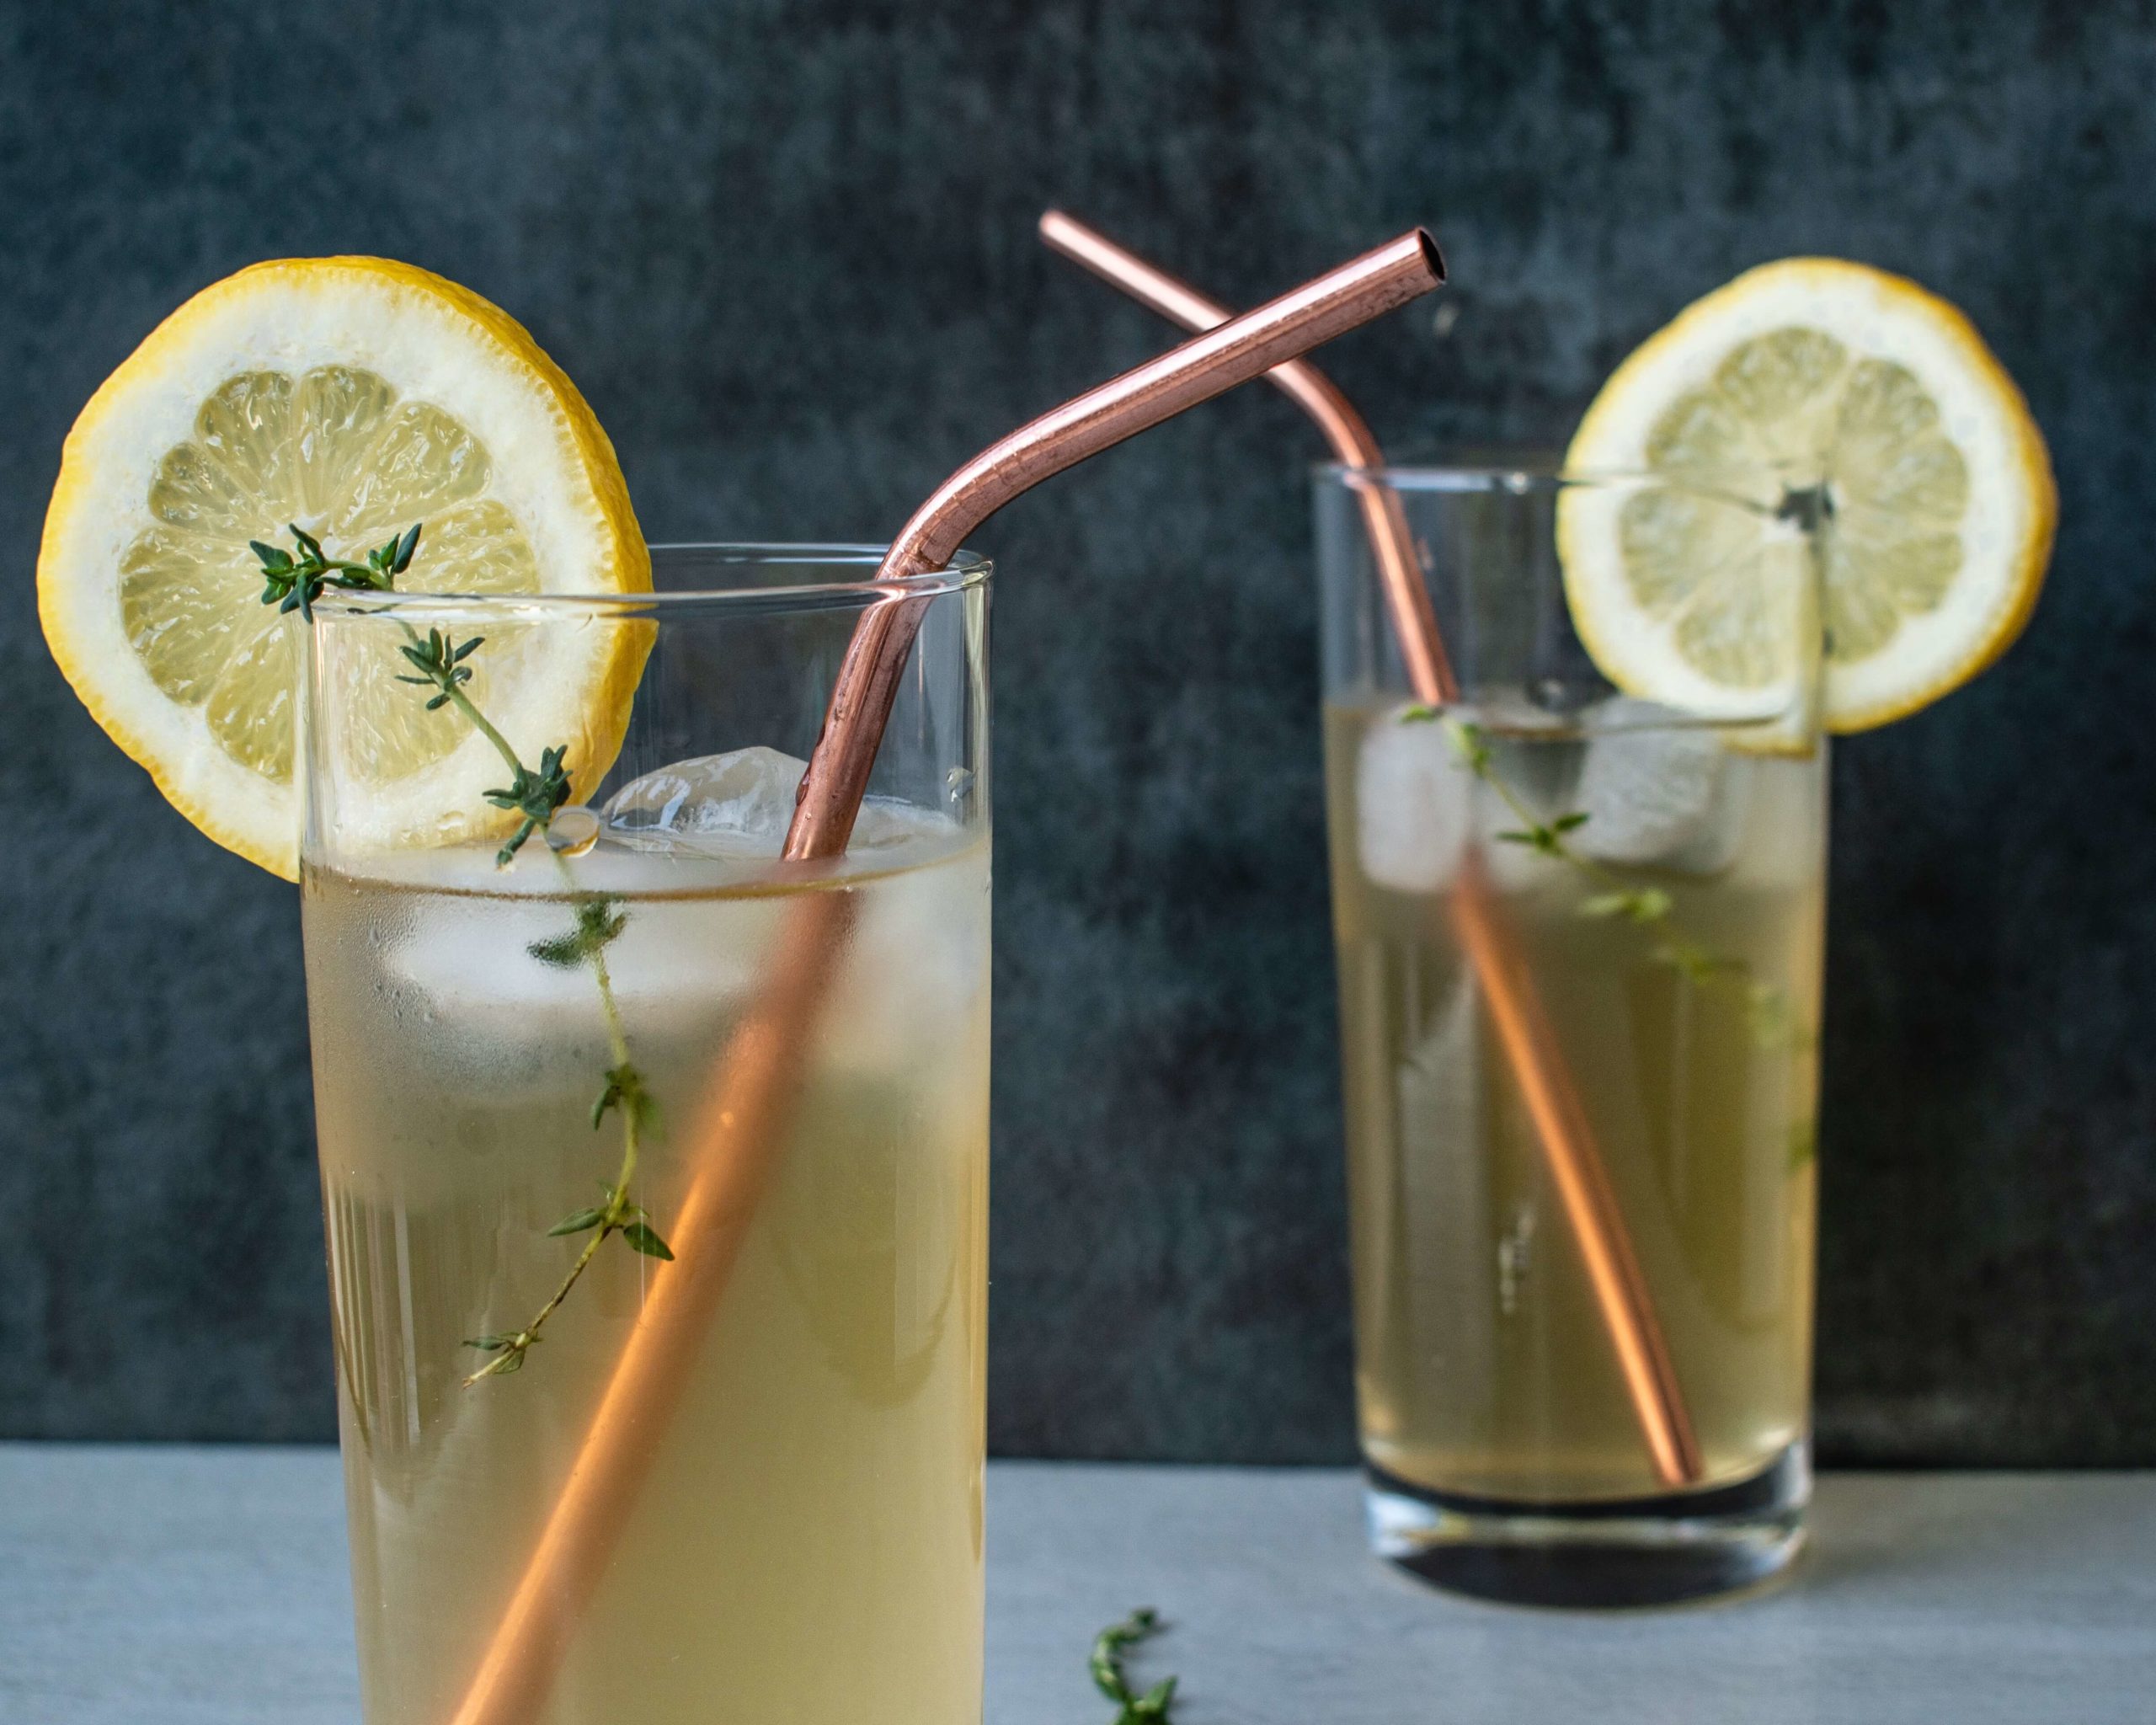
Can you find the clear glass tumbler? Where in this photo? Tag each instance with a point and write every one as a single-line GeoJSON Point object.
{"type": "Point", "coordinates": [1579, 938]}
{"type": "Point", "coordinates": [656, 1166]}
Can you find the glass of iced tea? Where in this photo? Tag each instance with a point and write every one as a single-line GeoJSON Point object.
{"type": "Point", "coordinates": [655, 1165]}
{"type": "Point", "coordinates": [1579, 933]}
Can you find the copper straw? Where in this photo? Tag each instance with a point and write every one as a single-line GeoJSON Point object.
{"type": "Point", "coordinates": [1574, 1161]}
{"type": "Point", "coordinates": [1231, 351]}
{"type": "Point", "coordinates": [740, 1130]}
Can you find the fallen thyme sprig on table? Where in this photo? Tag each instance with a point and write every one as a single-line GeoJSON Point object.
{"type": "Point", "coordinates": [294, 583]}
{"type": "Point", "coordinates": [1106, 1663]}
{"type": "Point", "coordinates": [1766, 1011]}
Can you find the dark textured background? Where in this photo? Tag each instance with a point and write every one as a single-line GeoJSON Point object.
{"type": "Point", "coordinates": [786, 250]}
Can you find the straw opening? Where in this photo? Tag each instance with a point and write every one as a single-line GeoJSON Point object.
{"type": "Point", "coordinates": [1430, 255]}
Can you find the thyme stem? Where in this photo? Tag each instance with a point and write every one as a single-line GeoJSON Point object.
{"type": "Point", "coordinates": [480, 722]}
{"type": "Point", "coordinates": [616, 1037]}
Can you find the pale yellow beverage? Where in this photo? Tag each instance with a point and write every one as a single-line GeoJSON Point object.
{"type": "Point", "coordinates": [806, 1546]}
{"type": "Point", "coordinates": [1484, 1369]}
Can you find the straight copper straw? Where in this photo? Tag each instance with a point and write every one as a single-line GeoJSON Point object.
{"type": "Point", "coordinates": [1574, 1162]}
{"type": "Point", "coordinates": [740, 1129]}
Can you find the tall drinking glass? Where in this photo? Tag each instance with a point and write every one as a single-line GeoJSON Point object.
{"type": "Point", "coordinates": [656, 1166]}
{"type": "Point", "coordinates": [1579, 938]}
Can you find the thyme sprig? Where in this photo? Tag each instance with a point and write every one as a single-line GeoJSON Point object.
{"type": "Point", "coordinates": [294, 582]}
{"type": "Point", "coordinates": [1106, 1663]}
{"type": "Point", "coordinates": [1649, 906]}
{"type": "Point", "coordinates": [536, 795]}
{"type": "Point", "coordinates": [599, 924]}
{"type": "Point", "coordinates": [440, 662]}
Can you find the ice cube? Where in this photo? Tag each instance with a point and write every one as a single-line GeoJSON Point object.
{"type": "Point", "coordinates": [474, 962]}
{"type": "Point", "coordinates": [885, 822]}
{"type": "Point", "coordinates": [1413, 803]}
{"type": "Point", "coordinates": [1417, 805]}
{"type": "Point", "coordinates": [737, 805]}
{"type": "Point", "coordinates": [1656, 794]}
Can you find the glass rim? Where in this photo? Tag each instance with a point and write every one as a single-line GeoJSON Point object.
{"type": "Point", "coordinates": [1520, 474]}
{"type": "Point", "coordinates": [965, 571]}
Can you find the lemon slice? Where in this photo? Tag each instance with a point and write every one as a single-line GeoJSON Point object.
{"type": "Point", "coordinates": [353, 397]}
{"type": "Point", "coordinates": [1827, 459]}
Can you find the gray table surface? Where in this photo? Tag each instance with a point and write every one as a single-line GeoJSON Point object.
{"type": "Point", "coordinates": [174, 1586]}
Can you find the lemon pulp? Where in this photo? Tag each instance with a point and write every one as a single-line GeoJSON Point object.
{"type": "Point", "coordinates": [1837, 493]}
{"type": "Point", "coordinates": [335, 451]}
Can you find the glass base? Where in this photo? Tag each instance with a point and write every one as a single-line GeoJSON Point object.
{"type": "Point", "coordinates": [1630, 1552]}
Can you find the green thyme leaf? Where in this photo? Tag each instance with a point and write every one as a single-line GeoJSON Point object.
{"type": "Point", "coordinates": [598, 924]}
{"type": "Point", "coordinates": [507, 854]}
{"type": "Point", "coordinates": [1696, 963]}
{"type": "Point", "coordinates": [582, 1222]}
{"type": "Point", "coordinates": [536, 794]}
{"type": "Point", "coordinates": [1542, 839]}
{"type": "Point", "coordinates": [1105, 1663]}
{"type": "Point", "coordinates": [640, 1236]}
{"type": "Point", "coordinates": [440, 662]}
{"type": "Point", "coordinates": [1648, 904]}
{"type": "Point", "coordinates": [294, 583]}
{"type": "Point", "coordinates": [1470, 744]}
{"type": "Point", "coordinates": [624, 1089]}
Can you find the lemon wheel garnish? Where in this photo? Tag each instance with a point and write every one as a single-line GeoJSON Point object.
{"type": "Point", "coordinates": [353, 397]}
{"type": "Point", "coordinates": [1819, 458]}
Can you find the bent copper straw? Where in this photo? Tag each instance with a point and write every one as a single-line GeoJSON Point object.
{"type": "Point", "coordinates": [743, 1120]}
{"type": "Point", "coordinates": [1569, 1150]}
